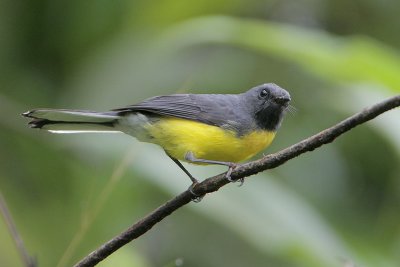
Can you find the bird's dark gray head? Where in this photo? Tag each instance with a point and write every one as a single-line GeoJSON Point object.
{"type": "Point", "coordinates": [268, 103]}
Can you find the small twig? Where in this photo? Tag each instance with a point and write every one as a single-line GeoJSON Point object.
{"type": "Point", "coordinates": [214, 183]}
{"type": "Point", "coordinates": [89, 215]}
{"type": "Point", "coordinates": [25, 257]}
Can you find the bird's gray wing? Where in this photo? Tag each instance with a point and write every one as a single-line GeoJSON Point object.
{"type": "Point", "coordinates": [219, 110]}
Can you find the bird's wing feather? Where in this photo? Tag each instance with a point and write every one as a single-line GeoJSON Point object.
{"type": "Point", "coordinates": [216, 110]}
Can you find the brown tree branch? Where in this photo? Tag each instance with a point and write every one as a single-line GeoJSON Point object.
{"type": "Point", "coordinates": [214, 183]}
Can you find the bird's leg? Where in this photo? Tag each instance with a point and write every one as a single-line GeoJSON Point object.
{"type": "Point", "coordinates": [196, 198]}
{"type": "Point", "coordinates": [177, 162]}
{"type": "Point", "coordinates": [191, 158]}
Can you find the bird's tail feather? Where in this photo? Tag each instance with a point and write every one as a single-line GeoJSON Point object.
{"type": "Point", "coordinates": [72, 121]}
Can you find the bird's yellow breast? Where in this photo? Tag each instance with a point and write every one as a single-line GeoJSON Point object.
{"type": "Point", "coordinates": [179, 136]}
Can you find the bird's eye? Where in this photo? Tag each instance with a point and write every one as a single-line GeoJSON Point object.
{"type": "Point", "coordinates": [263, 93]}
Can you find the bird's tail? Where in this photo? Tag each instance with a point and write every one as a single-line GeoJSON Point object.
{"type": "Point", "coordinates": [72, 121]}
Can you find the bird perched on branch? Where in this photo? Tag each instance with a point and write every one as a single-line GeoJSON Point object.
{"type": "Point", "coordinates": [219, 129]}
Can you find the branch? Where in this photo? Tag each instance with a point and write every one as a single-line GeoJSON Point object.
{"type": "Point", "coordinates": [25, 257]}
{"type": "Point", "coordinates": [214, 183]}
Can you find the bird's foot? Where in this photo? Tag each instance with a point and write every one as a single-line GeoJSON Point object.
{"type": "Point", "coordinates": [233, 166]}
{"type": "Point", "coordinates": [196, 198]}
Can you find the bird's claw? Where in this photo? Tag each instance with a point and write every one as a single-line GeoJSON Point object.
{"type": "Point", "coordinates": [241, 181]}
{"type": "Point", "coordinates": [196, 198]}
{"type": "Point", "coordinates": [229, 178]}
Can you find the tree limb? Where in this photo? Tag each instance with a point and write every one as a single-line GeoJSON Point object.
{"type": "Point", "coordinates": [214, 183]}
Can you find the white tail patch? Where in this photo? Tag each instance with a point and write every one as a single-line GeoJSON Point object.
{"type": "Point", "coordinates": [80, 131]}
{"type": "Point", "coordinates": [71, 127]}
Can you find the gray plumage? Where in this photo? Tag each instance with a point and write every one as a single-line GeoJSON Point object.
{"type": "Point", "coordinates": [261, 107]}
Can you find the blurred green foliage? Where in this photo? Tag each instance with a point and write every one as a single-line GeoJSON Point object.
{"type": "Point", "coordinates": [337, 206]}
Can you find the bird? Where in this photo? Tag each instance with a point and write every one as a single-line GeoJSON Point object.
{"type": "Point", "coordinates": [222, 129]}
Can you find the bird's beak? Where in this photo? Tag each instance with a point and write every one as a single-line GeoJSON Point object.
{"type": "Point", "coordinates": [282, 100]}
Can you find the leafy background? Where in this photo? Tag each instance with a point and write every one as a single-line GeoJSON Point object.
{"type": "Point", "coordinates": [337, 206]}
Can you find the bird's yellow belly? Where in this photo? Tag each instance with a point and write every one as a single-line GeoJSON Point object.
{"type": "Point", "coordinates": [179, 136]}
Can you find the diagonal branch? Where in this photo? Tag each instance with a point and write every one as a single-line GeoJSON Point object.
{"type": "Point", "coordinates": [214, 183]}
{"type": "Point", "coordinates": [25, 257]}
